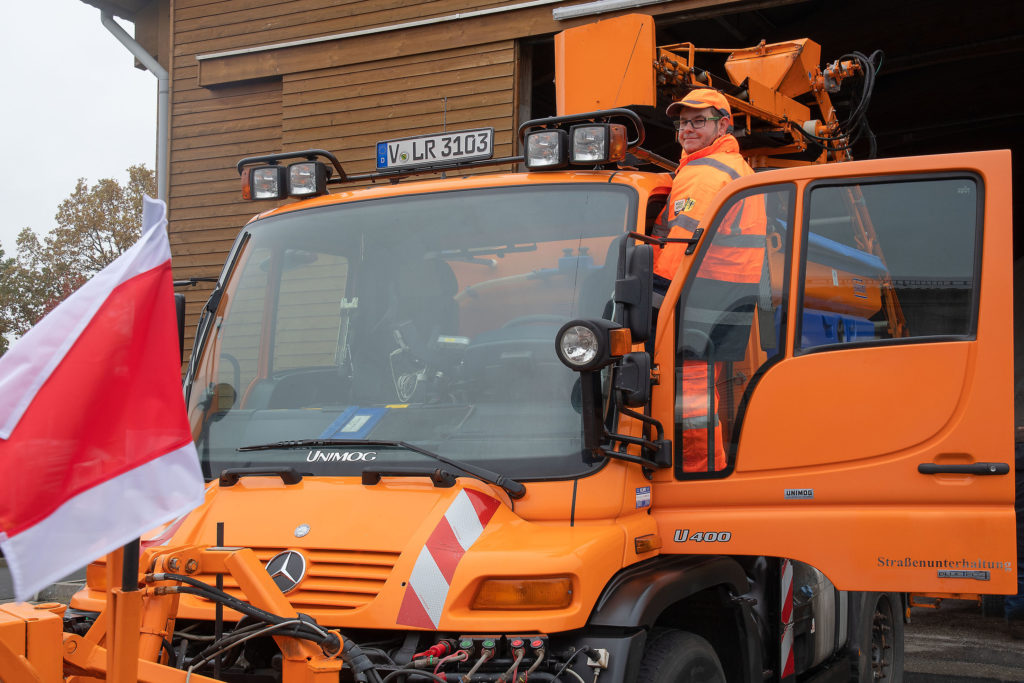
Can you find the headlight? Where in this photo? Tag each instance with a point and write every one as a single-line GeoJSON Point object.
{"type": "Point", "coordinates": [579, 345]}
{"type": "Point", "coordinates": [264, 182]}
{"type": "Point", "coordinates": [307, 179]}
{"type": "Point", "coordinates": [546, 149]}
{"type": "Point", "coordinates": [598, 143]}
{"type": "Point", "coordinates": [587, 345]}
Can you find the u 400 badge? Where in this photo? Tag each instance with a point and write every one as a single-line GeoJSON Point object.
{"type": "Point", "coordinates": [684, 535]}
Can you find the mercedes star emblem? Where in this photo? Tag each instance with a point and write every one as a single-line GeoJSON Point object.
{"type": "Point", "coordinates": [287, 569]}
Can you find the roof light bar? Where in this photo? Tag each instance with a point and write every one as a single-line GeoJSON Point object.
{"type": "Point", "coordinates": [302, 179]}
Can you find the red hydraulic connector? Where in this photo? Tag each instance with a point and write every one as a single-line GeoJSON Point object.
{"type": "Point", "coordinates": [439, 649]}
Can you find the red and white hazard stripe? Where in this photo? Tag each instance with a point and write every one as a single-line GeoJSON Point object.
{"type": "Point", "coordinates": [432, 573]}
{"type": "Point", "coordinates": [786, 621]}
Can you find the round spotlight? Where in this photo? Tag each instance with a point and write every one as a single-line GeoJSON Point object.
{"type": "Point", "coordinates": [579, 346]}
{"type": "Point", "coordinates": [589, 344]}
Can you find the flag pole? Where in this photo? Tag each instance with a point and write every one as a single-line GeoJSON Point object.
{"type": "Point", "coordinates": [130, 566]}
{"type": "Point", "coordinates": [125, 609]}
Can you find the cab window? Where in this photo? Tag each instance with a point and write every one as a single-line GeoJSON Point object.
{"type": "Point", "coordinates": [889, 261]}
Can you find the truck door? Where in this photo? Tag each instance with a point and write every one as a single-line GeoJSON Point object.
{"type": "Point", "coordinates": [852, 407]}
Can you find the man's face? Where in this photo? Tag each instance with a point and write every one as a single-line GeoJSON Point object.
{"type": "Point", "coordinates": [693, 139]}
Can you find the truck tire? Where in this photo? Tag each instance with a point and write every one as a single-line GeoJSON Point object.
{"type": "Point", "coordinates": [877, 641]}
{"type": "Point", "coordinates": [673, 656]}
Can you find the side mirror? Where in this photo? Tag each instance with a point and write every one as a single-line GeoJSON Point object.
{"type": "Point", "coordinates": [224, 397]}
{"type": "Point", "coordinates": [179, 309]}
{"type": "Point", "coordinates": [634, 288]}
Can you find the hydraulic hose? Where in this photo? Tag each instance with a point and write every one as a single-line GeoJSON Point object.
{"type": "Point", "coordinates": [856, 124]}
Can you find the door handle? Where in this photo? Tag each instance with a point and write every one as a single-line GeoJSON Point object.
{"type": "Point", "coordinates": [974, 468]}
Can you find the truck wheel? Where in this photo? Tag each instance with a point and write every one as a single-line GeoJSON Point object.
{"type": "Point", "coordinates": [880, 639]}
{"type": "Point", "coordinates": [673, 656]}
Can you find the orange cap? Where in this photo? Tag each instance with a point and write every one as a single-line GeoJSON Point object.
{"type": "Point", "coordinates": [702, 98]}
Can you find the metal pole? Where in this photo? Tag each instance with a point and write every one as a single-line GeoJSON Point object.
{"type": "Point", "coordinates": [163, 100]}
{"type": "Point", "coordinates": [130, 566]}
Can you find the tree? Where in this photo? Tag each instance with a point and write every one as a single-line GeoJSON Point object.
{"type": "Point", "coordinates": [94, 225]}
{"type": "Point", "coordinates": [6, 276]}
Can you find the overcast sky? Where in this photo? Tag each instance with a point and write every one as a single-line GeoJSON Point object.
{"type": "Point", "coordinates": [74, 106]}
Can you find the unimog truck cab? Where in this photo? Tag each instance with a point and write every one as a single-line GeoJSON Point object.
{"type": "Point", "coordinates": [445, 415]}
{"type": "Point", "coordinates": [442, 413]}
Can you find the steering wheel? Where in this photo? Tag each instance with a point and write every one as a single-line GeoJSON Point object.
{"type": "Point", "coordinates": [537, 319]}
{"type": "Point", "coordinates": [693, 340]}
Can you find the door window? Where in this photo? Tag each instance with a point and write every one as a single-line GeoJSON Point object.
{"type": "Point", "coordinates": [890, 260]}
{"type": "Point", "coordinates": [731, 322]}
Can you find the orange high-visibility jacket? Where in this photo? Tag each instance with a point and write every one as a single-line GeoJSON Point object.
{"type": "Point", "coordinates": [736, 257]}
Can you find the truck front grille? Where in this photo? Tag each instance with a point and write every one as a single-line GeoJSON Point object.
{"type": "Point", "coordinates": [335, 579]}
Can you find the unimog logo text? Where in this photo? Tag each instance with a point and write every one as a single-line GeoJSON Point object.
{"type": "Point", "coordinates": [340, 456]}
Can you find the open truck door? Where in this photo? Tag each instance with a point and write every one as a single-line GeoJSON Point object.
{"type": "Point", "coordinates": [860, 392]}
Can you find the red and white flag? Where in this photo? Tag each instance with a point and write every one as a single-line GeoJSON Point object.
{"type": "Point", "coordinates": [95, 446]}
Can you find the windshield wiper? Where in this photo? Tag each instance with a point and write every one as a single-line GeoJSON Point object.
{"type": "Point", "coordinates": [512, 487]}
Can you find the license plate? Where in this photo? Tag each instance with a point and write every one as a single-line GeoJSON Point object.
{"type": "Point", "coordinates": [438, 148]}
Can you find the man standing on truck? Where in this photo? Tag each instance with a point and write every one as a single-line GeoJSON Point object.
{"type": "Point", "coordinates": [731, 270]}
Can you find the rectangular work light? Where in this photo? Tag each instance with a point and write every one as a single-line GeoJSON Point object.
{"type": "Point", "coordinates": [598, 143]}
{"type": "Point", "coordinates": [264, 182]}
{"type": "Point", "coordinates": [546, 149]}
{"type": "Point", "coordinates": [307, 179]}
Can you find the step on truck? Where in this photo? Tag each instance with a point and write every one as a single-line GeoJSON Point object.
{"type": "Point", "coordinates": [442, 419]}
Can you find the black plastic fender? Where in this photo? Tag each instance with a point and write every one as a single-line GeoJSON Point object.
{"type": "Point", "coordinates": [637, 595]}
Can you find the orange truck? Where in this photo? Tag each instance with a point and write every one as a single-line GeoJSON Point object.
{"type": "Point", "coordinates": [441, 419]}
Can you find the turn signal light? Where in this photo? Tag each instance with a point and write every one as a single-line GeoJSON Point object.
{"type": "Point", "coordinates": [620, 342]}
{"type": "Point", "coordinates": [524, 594]}
{"type": "Point", "coordinates": [646, 544]}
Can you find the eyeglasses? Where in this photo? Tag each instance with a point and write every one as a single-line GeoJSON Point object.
{"type": "Point", "coordinates": [697, 123]}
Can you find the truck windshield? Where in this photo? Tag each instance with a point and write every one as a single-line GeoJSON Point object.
{"type": "Point", "coordinates": [428, 319]}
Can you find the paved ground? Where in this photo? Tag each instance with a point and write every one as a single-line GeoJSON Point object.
{"type": "Point", "coordinates": [956, 643]}
{"type": "Point", "coordinates": [952, 644]}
